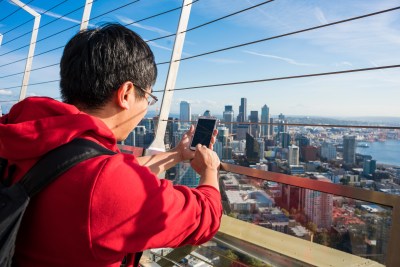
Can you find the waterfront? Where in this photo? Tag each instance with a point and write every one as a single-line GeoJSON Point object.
{"type": "Point", "coordinates": [387, 152]}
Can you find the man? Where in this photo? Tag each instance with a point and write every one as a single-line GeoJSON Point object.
{"type": "Point", "coordinates": [108, 206]}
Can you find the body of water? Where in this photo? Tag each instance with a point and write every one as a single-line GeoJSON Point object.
{"type": "Point", "coordinates": [387, 152]}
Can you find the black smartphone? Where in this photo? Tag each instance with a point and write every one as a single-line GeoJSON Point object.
{"type": "Point", "coordinates": [203, 133]}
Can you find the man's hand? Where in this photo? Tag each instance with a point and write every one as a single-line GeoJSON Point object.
{"type": "Point", "coordinates": [183, 147]}
{"type": "Point", "coordinates": [206, 163]}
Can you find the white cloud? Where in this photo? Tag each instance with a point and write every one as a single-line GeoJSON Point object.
{"type": "Point", "coordinates": [126, 20]}
{"type": "Point", "coordinates": [154, 44]}
{"type": "Point", "coordinates": [5, 92]}
{"type": "Point", "coordinates": [288, 60]}
{"type": "Point", "coordinates": [320, 16]}
{"type": "Point", "coordinates": [344, 63]}
{"type": "Point", "coordinates": [58, 16]}
{"type": "Point", "coordinates": [54, 15]}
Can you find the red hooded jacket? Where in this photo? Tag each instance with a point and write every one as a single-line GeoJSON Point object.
{"type": "Point", "coordinates": [102, 208]}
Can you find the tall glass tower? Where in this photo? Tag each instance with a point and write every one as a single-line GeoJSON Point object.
{"type": "Point", "coordinates": [265, 121]}
{"type": "Point", "coordinates": [228, 118]}
{"type": "Point", "coordinates": [185, 113]}
{"type": "Point", "coordinates": [349, 149]}
{"type": "Point", "coordinates": [242, 117]}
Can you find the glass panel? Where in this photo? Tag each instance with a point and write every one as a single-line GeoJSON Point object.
{"type": "Point", "coordinates": [345, 224]}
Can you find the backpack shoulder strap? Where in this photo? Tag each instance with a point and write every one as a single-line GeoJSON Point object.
{"type": "Point", "coordinates": [58, 161]}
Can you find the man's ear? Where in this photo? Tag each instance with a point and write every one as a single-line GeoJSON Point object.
{"type": "Point", "coordinates": [124, 93]}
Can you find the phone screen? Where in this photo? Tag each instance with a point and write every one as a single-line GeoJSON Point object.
{"type": "Point", "coordinates": [203, 133]}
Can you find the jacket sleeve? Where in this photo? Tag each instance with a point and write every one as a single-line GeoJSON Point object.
{"type": "Point", "coordinates": [132, 210]}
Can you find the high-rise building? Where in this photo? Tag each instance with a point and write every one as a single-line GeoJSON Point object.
{"type": "Point", "coordinates": [369, 167]}
{"type": "Point", "coordinates": [349, 149]}
{"type": "Point", "coordinates": [252, 149]}
{"type": "Point", "coordinates": [140, 136]}
{"type": "Point", "coordinates": [207, 113]}
{"type": "Point", "coordinates": [261, 145]}
{"type": "Point", "coordinates": [223, 135]}
{"type": "Point", "coordinates": [187, 176]}
{"type": "Point", "coordinates": [309, 153]}
{"type": "Point", "coordinates": [185, 112]}
{"type": "Point", "coordinates": [318, 206]}
{"type": "Point", "coordinates": [328, 151]}
{"type": "Point", "coordinates": [218, 148]}
{"type": "Point", "coordinates": [130, 140]}
{"type": "Point", "coordinates": [265, 121]}
{"type": "Point", "coordinates": [284, 139]}
{"type": "Point", "coordinates": [271, 127]}
{"type": "Point", "coordinates": [227, 152]}
{"type": "Point", "coordinates": [254, 127]}
{"type": "Point", "coordinates": [228, 118]}
{"type": "Point", "coordinates": [241, 131]}
{"type": "Point", "coordinates": [293, 155]}
{"type": "Point", "coordinates": [242, 117]}
{"type": "Point", "coordinates": [282, 126]}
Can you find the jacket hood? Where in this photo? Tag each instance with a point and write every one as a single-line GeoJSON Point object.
{"type": "Point", "coordinates": [38, 124]}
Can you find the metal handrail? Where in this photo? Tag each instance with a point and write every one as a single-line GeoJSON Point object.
{"type": "Point", "coordinates": [392, 259]}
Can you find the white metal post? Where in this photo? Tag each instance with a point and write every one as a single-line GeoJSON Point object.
{"type": "Point", "coordinates": [32, 46]}
{"type": "Point", "coordinates": [158, 144]}
{"type": "Point", "coordinates": [1, 38]}
{"type": "Point", "coordinates": [86, 14]}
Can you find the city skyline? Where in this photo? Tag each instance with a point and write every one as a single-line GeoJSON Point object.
{"type": "Point", "coordinates": [363, 43]}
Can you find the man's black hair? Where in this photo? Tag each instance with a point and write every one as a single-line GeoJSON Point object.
{"type": "Point", "coordinates": [96, 62]}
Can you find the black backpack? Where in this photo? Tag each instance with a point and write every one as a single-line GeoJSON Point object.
{"type": "Point", "coordinates": [14, 199]}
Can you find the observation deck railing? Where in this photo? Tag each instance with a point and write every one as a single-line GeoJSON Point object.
{"type": "Point", "coordinates": [274, 248]}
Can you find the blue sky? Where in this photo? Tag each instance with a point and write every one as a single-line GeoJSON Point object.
{"type": "Point", "coordinates": [364, 43]}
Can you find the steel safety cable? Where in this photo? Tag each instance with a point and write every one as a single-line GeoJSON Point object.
{"type": "Point", "coordinates": [15, 11]}
{"type": "Point", "coordinates": [67, 29]}
{"type": "Point", "coordinates": [23, 59]}
{"type": "Point", "coordinates": [110, 11]}
{"type": "Point", "coordinates": [288, 34]}
{"type": "Point", "coordinates": [284, 78]}
{"type": "Point", "coordinates": [42, 26]}
{"type": "Point", "coordinates": [212, 21]}
{"type": "Point", "coordinates": [146, 18]}
{"type": "Point", "coordinates": [158, 14]}
{"type": "Point", "coordinates": [254, 81]}
{"type": "Point", "coordinates": [18, 73]}
{"type": "Point", "coordinates": [16, 27]}
{"type": "Point", "coordinates": [304, 124]}
{"type": "Point", "coordinates": [31, 84]}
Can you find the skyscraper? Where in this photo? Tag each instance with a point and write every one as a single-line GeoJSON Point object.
{"type": "Point", "coordinates": [328, 151]}
{"type": "Point", "coordinates": [185, 112]}
{"type": "Point", "coordinates": [282, 126]}
{"type": "Point", "coordinates": [242, 117]}
{"type": "Point", "coordinates": [349, 149]}
{"type": "Point", "coordinates": [252, 149]}
{"type": "Point", "coordinates": [369, 166]}
{"type": "Point", "coordinates": [271, 127]}
{"type": "Point", "coordinates": [284, 139]}
{"type": "Point", "coordinates": [228, 118]}
{"type": "Point", "coordinates": [241, 131]}
{"type": "Point", "coordinates": [293, 155]}
{"type": "Point", "coordinates": [254, 127]}
{"type": "Point", "coordinates": [187, 176]}
{"type": "Point", "coordinates": [207, 113]}
{"type": "Point", "coordinates": [318, 206]}
{"type": "Point", "coordinates": [265, 121]}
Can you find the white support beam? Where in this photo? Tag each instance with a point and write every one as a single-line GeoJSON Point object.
{"type": "Point", "coordinates": [1, 38]}
{"type": "Point", "coordinates": [32, 45]}
{"type": "Point", "coordinates": [86, 15]}
{"type": "Point", "coordinates": [158, 144]}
